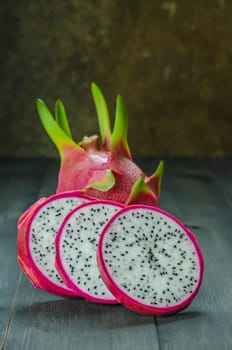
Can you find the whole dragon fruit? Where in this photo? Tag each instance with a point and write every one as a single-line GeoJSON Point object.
{"type": "Point", "coordinates": [100, 166]}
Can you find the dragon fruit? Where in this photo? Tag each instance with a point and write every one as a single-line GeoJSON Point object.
{"type": "Point", "coordinates": [100, 166]}
{"type": "Point", "coordinates": [150, 261]}
{"type": "Point", "coordinates": [37, 229]}
{"type": "Point", "coordinates": [76, 246]}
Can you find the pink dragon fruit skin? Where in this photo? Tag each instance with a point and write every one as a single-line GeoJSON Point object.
{"type": "Point", "coordinates": [114, 286]}
{"type": "Point", "coordinates": [87, 167]}
{"type": "Point", "coordinates": [100, 167]}
{"type": "Point", "coordinates": [25, 257]}
{"type": "Point", "coordinates": [27, 267]}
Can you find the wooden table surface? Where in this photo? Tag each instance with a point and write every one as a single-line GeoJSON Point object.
{"type": "Point", "coordinates": [198, 192]}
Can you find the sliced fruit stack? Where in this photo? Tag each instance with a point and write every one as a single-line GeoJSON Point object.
{"type": "Point", "coordinates": [102, 237]}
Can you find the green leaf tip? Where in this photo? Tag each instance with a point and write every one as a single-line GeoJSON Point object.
{"type": "Point", "coordinates": [61, 118]}
{"type": "Point", "coordinates": [102, 115]}
{"type": "Point", "coordinates": [139, 191]}
{"type": "Point", "coordinates": [119, 136]}
{"type": "Point", "coordinates": [155, 180]}
{"type": "Point", "coordinates": [57, 135]}
{"type": "Point", "coordinates": [105, 182]}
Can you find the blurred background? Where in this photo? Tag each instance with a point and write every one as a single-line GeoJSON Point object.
{"type": "Point", "coordinates": [170, 60]}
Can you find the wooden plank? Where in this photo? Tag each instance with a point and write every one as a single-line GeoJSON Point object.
{"type": "Point", "coordinates": [41, 321]}
{"type": "Point", "coordinates": [19, 188]}
{"type": "Point", "coordinates": [44, 321]}
{"type": "Point", "coordinates": [220, 170]}
{"type": "Point", "coordinates": [190, 194]}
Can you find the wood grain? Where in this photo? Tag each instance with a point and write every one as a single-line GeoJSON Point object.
{"type": "Point", "coordinates": [18, 188]}
{"type": "Point", "coordinates": [43, 321]}
{"type": "Point", "coordinates": [221, 171]}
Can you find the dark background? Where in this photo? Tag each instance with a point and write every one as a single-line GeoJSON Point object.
{"type": "Point", "coordinates": [170, 60]}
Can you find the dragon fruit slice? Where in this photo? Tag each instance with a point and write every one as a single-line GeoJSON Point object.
{"type": "Point", "coordinates": [101, 166]}
{"type": "Point", "coordinates": [76, 245]}
{"type": "Point", "coordinates": [150, 261]}
{"type": "Point", "coordinates": [37, 229]}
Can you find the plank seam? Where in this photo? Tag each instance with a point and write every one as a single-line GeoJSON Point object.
{"type": "Point", "coordinates": [13, 304]}
{"type": "Point", "coordinates": [157, 332]}
{"type": "Point", "coordinates": [11, 312]}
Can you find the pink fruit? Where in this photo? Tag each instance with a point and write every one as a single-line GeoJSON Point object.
{"type": "Point", "coordinates": [37, 229]}
{"type": "Point", "coordinates": [76, 246]}
{"type": "Point", "coordinates": [101, 167]}
{"type": "Point", "coordinates": [150, 261]}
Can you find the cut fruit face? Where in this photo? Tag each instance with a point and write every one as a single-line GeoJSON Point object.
{"type": "Point", "coordinates": [41, 235]}
{"type": "Point", "coordinates": [149, 261]}
{"type": "Point", "coordinates": [76, 246]}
